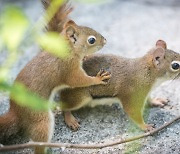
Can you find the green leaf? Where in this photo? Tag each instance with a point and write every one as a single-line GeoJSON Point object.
{"type": "Point", "coordinates": [24, 97]}
{"type": "Point", "coordinates": [13, 25]}
{"type": "Point", "coordinates": [54, 43]}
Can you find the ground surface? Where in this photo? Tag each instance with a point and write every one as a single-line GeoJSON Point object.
{"type": "Point", "coordinates": [131, 28]}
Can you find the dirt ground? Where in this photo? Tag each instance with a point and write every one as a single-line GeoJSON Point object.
{"type": "Point", "coordinates": [131, 27]}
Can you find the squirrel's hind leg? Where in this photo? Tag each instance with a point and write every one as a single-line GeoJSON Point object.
{"type": "Point", "coordinates": [134, 109]}
{"type": "Point", "coordinates": [73, 99]}
{"type": "Point", "coordinates": [71, 121]}
{"type": "Point", "coordinates": [41, 130]}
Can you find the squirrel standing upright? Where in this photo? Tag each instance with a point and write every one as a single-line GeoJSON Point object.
{"type": "Point", "coordinates": [131, 82]}
{"type": "Point", "coordinates": [46, 72]}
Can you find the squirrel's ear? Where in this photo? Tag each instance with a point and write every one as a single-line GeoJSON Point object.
{"type": "Point", "coordinates": [70, 27]}
{"type": "Point", "coordinates": [69, 23]}
{"type": "Point", "coordinates": [161, 43]}
{"type": "Point", "coordinates": [158, 56]}
{"type": "Point", "coordinates": [71, 31]}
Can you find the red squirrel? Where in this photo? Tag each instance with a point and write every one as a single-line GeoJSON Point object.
{"type": "Point", "coordinates": [46, 73]}
{"type": "Point", "coordinates": [131, 82]}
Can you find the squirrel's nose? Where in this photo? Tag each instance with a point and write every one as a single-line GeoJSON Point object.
{"type": "Point", "coordinates": [105, 41]}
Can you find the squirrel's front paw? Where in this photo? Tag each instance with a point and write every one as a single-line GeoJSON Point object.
{"type": "Point", "coordinates": [159, 102]}
{"type": "Point", "coordinates": [103, 75]}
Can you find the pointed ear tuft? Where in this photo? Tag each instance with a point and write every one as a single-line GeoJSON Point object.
{"type": "Point", "coordinates": [69, 23]}
{"type": "Point", "coordinates": [158, 56]}
{"type": "Point", "coordinates": [161, 43]}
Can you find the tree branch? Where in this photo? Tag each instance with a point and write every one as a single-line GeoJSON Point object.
{"type": "Point", "coordinates": [85, 146]}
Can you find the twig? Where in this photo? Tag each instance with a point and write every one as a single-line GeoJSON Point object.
{"type": "Point", "coordinates": [85, 146]}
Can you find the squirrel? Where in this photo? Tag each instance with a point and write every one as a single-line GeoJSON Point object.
{"type": "Point", "coordinates": [131, 82]}
{"type": "Point", "coordinates": [46, 73]}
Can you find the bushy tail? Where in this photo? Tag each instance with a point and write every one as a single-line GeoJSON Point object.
{"type": "Point", "coordinates": [8, 125]}
{"type": "Point", "coordinates": [60, 16]}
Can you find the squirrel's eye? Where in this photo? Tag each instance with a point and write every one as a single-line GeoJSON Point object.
{"type": "Point", "coordinates": [175, 66]}
{"type": "Point", "coordinates": [91, 40]}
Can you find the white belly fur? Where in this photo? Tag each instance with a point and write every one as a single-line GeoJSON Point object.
{"type": "Point", "coordinates": [104, 101]}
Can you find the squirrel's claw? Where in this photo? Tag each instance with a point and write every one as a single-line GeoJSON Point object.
{"type": "Point", "coordinates": [103, 75]}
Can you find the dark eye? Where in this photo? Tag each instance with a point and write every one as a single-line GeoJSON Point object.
{"type": "Point", "coordinates": [175, 66]}
{"type": "Point", "coordinates": [91, 40]}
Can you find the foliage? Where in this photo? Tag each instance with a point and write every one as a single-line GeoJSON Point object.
{"type": "Point", "coordinates": [54, 44]}
{"type": "Point", "coordinates": [13, 25]}
{"type": "Point", "coordinates": [22, 95]}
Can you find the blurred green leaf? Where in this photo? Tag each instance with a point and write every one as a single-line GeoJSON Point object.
{"type": "Point", "coordinates": [3, 73]}
{"type": "Point", "coordinates": [13, 25]}
{"type": "Point", "coordinates": [24, 97]}
{"type": "Point", "coordinates": [54, 43]}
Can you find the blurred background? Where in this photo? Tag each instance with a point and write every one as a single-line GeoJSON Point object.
{"type": "Point", "coordinates": [131, 28]}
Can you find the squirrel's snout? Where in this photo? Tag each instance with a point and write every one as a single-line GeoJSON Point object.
{"type": "Point", "coordinates": [104, 41]}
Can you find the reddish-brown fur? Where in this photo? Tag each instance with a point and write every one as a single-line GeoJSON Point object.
{"type": "Point", "coordinates": [46, 72]}
{"type": "Point", "coordinates": [131, 82]}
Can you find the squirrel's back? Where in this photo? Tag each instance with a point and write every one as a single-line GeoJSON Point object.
{"type": "Point", "coordinates": [94, 63]}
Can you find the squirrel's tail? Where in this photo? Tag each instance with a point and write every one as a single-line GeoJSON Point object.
{"type": "Point", "coordinates": [8, 125]}
{"type": "Point", "coordinates": [60, 17]}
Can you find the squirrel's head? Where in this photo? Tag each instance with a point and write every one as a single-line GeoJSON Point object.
{"type": "Point", "coordinates": [166, 62]}
{"type": "Point", "coordinates": [83, 40]}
